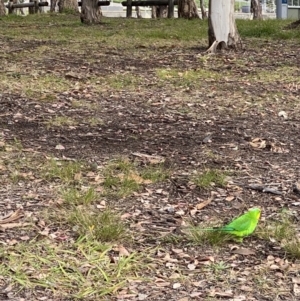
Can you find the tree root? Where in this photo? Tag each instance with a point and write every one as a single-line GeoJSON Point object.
{"type": "Point", "coordinates": [213, 48]}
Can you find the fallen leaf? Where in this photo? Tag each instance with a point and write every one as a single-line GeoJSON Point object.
{"type": "Point", "coordinates": [123, 251]}
{"type": "Point", "coordinates": [203, 204]}
{"type": "Point", "coordinates": [14, 225]}
{"type": "Point", "coordinates": [296, 289]}
{"type": "Point", "coordinates": [230, 198]}
{"type": "Point", "coordinates": [142, 297]}
{"type": "Point", "coordinates": [59, 147]}
{"type": "Point", "coordinates": [169, 259]}
{"type": "Point", "coordinates": [246, 288]}
{"type": "Point", "coordinates": [184, 299]}
{"type": "Point", "coordinates": [195, 294]}
{"type": "Point", "coordinates": [283, 114]}
{"type": "Point", "coordinates": [161, 282]}
{"type": "Point", "coordinates": [296, 280]}
{"type": "Point", "coordinates": [175, 276]}
{"type": "Point", "coordinates": [258, 143]}
{"type": "Point", "coordinates": [11, 217]}
{"type": "Point", "coordinates": [227, 293]}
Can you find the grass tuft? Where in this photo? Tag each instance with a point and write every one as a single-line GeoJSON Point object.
{"type": "Point", "coordinates": [74, 196]}
{"type": "Point", "coordinates": [283, 231]}
{"type": "Point", "coordinates": [209, 178]}
{"type": "Point", "coordinates": [61, 121]}
{"type": "Point", "coordinates": [64, 171]}
{"type": "Point", "coordinates": [279, 230]}
{"type": "Point", "coordinates": [121, 178]}
{"type": "Point", "coordinates": [293, 248]}
{"type": "Point", "coordinates": [81, 270]}
{"type": "Point", "coordinates": [103, 226]}
{"type": "Point", "coordinates": [199, 236]}
{"type": "Point", "coordinates": [155, 173]}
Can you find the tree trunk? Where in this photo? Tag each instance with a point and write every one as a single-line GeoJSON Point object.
{"type": "Point", "coordinates": [159, 11]}
{"type": "Point", "coordinates": [222, 31]}
{"type": "Point", "coordinates": [70, 6]}
{"type": "Point", "coordinates": [90, 12]}
{"type": "Point", "coordinates": [203, 10]}
{"type": "Point", "coordinates": [2, 8]}
{"type": "Point", "coordinates": [256, 9]}
{"type": "Point", "coordinates": [16, 10]}
{"type": "Point", "coordinates": [187, 9]}
{"type": "Point", "coordinates": [138, 12]}
{"type": "Point", "coordinates": [53, 5]}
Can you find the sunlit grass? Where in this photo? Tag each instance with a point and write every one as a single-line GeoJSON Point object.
{"type": "Point", "coordinates": [81, 270]}
{"type": "Point", "coordinates": [104, 226]}
{"type": "Point", "coordinates": [61, 121]}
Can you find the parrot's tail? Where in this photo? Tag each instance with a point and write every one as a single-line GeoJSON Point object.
{"type": "Point", "coordinates": [211, 229]}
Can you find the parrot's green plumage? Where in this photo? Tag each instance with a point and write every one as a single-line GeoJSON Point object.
{"type": "Point", "coordinates": [241, 226]}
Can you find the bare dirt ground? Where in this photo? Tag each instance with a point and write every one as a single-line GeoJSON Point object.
{"type": "Point", "coordinates": [237, 112]}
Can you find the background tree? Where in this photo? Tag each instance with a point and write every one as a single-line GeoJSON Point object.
{"type": "Point", "coordinates": [256, 9]}
{"type": "Point", "coordinates": [222, 30]}
{"type": "Point", "coordinates": [53, 5]}
{"type": "Point", "coordinates": [187, 9]}
{"type": "Point", "coordinates": [2, 8]}
{"type": "Point", "coordinates": [90, 12]}
{"type": "Point", "coordinates": [68, 5]}
{"type": "Point", "coordinates": [159, 11]}
{"type": "Point", "coordinates": [138, 12]}
{"type": "Point", "coordinates": [203, 10]}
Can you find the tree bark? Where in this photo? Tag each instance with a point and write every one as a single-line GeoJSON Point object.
{"type": "Point", "coordinates": [187, 9]}
{"type": "Point", "coordinates": [138, 12]}
{"type": "Point", "coordinates": [256, 9]}
{"type": "Point", "coordinates": [70, 6]}
{"type": "Point", "coordinates": [90, 12]}
{"type": "Point", "coordinates": [53, 5]}
{"type": "Point", "coordinates": [159, 11]}
{"type": "Point", "coordinates": [203, 10]}
{"type": "Point", "coordinates": [222, 30]}
{"type": "Point", "coordinates": [2, 8]}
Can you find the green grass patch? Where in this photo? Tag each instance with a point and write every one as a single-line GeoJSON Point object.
{"type": "Point", "coordinates": [268, 29]}
{"type": "Point", "coordinates": [210, 177]}
{"type": "Point", "coordinates": [74, 196]}
{"type": "Point", "coordinates": [188, 77]}
{"type": "Point", "coordinates": [61, 121]}
{"type": "Point", "coordinates": [122, 177]}
{"type": "Point", "coordinates": [199, 236]}
{"type": "Point", "coordinates": [130, 33]}
{"type": "Point", "coordinates": [283, 231]}
{"type": "Point", "coordinates": [105, 226]}
{"type": "Point", "coordinates": [123, 81]}
{"type": "Point", "coordinates": [156, 173]}
{"type": "Point", "coordinates": [33, 85]}
{"type": "Point", "coordinates": [95, 121]}
{"type": "Point", "coordinates": [18, 165]}
{"type": "Point", "coordinates": [81, 270]}
{"type": "Point", "coordinates": [66, 172]}
{"type": "Point", "coordinates": [287, 74]}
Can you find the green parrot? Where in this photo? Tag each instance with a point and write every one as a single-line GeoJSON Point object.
{"type": "Point", "coordinates": [241, 226]}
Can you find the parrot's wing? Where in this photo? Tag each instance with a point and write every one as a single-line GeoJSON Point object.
{"type": "Point", "coordinates": [242, 223]}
